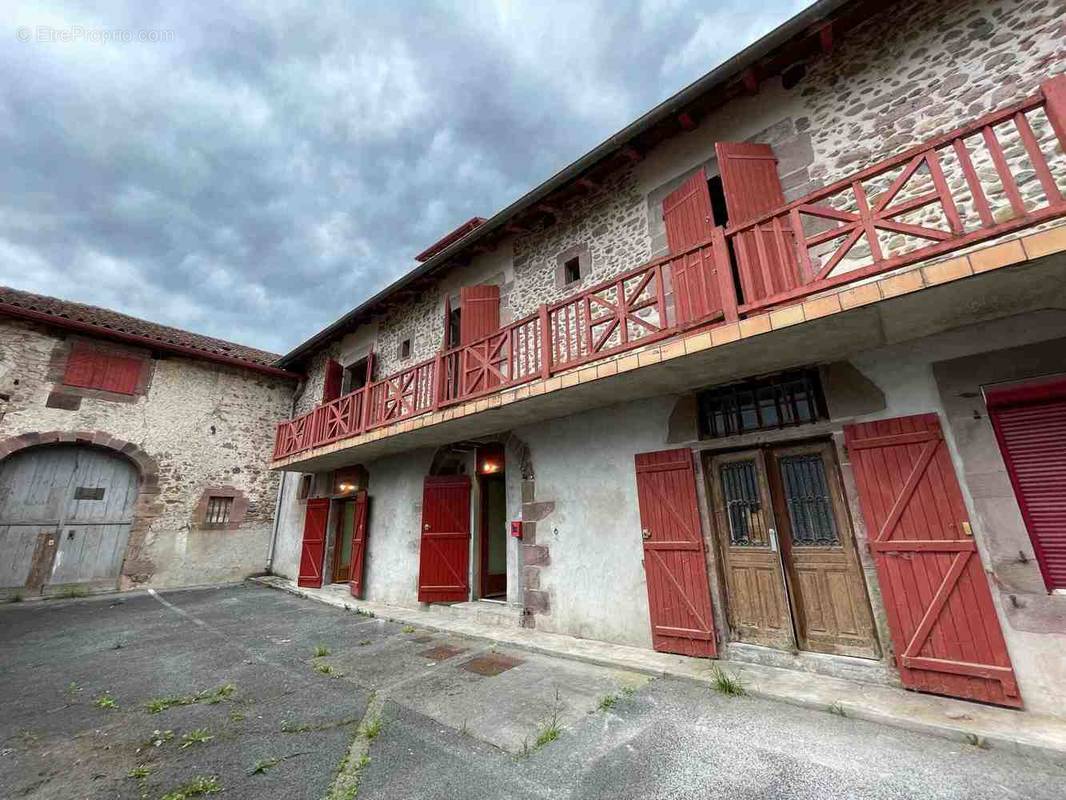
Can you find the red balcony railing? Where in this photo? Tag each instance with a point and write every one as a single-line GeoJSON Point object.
{"type": "Point", "coordinates": [1002, 173]}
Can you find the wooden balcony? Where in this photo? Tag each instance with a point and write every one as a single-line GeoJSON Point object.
{"type": "Point", "coordinates": [995, 176]}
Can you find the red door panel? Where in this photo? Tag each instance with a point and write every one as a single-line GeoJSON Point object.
{"type": "Point", "coordinates": [765, 254]}
{"type": "Point", "coordinates": [1030, 425]}
{"type": "Point", "coordinates": [313, 549]}
{"type": "Point", "coordinates": [359, 534]}
{"type": "Point", "coordinates": [331, 386]}
{"type": "Point", "coordinates": [480, 312]}
{"type": "Point", "coordinates": [944, 626]}
{"type": "Point", "coordinates": [689, 220]}
{"type": "Point", "coordinates": [444, 555]}
{"type": "Point", "coordinates": [679, 598]}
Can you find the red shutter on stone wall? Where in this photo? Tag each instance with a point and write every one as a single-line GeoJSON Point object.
{"type": "Point", "coordinates": [1030, 425]}
{"type": "Point", "coordinates": [331, 388]}
{"type": "Point", "coordinates": [766, 262]}
{"type": "Point", "coordinates": [480, 314]}
{"type": "Point", "coordinates": [95, 369]}
{"type": "Point", "coordinates": [687, 213]}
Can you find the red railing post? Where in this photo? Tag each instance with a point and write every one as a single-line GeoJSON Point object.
{"type": "Point", "coordinates": [727, 289]}
{"type": "Point", "coordinates": [545, 342]}
{"type": "Point", "coordinates": [368, 398]}
{"type": "Point", "coordinates": [438, 380]}
{"type": "Point", "coordinates": [1054, 92]}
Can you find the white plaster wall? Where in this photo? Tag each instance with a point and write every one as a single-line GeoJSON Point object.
{"type": "Point", "coordinates": [584, 464]}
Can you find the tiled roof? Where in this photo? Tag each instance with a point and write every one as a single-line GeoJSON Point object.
{"type": "Point", "coordinates": [105, 320]}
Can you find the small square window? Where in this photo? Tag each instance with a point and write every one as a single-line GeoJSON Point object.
{"type": "Point", "coordinates": [405, 348]}
{"type": "Point", "coordinates": [572, 270]}
{"type": "Point", "coordinates": [218, 510]}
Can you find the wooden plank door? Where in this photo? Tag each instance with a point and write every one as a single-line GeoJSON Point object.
{"type": "Point", "coordinates": [679, 597]}
{"type": "Point", "coordinates": [361, 505]}
{"type": "Point", "coordinates": [766, 253]}
{"type": "Point", "coordinates": [944, 626]}
{"type": "Point", "coordinates": [755, 581]}
{"type": "Point", "coordinates": [831, 610]}
{"type": "Point", "coordinates": [689, 220]}
{"type": "Point", "coordinates": [343, 531]}
{"type": "Point", "coordinates": [444, 555]}
{"type": "Point", "coordinates": [313, 548]}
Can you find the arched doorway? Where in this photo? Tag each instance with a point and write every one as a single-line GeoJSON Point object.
{"type": "Point", "coordinates": [65, 517]}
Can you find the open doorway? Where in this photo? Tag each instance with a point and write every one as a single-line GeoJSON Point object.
{"type": "Point", "coordinates": [492, 517]}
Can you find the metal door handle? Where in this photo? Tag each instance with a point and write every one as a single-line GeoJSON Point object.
{"type": "Point", "coordinates": [425, 527]}
{"type": "Point", "coordinates": [645, 533]}
{"type": "Point", "coordinates": [966, 529]}
{"type": "Point", "coordinates": [773, 540]}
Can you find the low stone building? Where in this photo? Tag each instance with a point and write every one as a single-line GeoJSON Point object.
{"type": "Point", "coordinates": [131, 454]}
{"type": "Point", "coordinates": [773, 374]}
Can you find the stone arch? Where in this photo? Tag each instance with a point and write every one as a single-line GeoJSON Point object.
{"type": "Point", "coordinates": [136, 568]}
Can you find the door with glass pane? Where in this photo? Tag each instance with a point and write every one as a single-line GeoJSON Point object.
{"type": "Point", "coordinates": [757, 602]}
{"type": "Point", "coordinates": [826, 586]}
{"type": "Point", "coordinates": [793, 578]}
{"type": "Point", "coordinates": [345, 515]}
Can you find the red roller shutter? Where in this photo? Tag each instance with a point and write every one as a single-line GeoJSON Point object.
{"type": "Point", "coordinates": [331, 387]}
{"type": "Point", "coordinates": [689, 220]}
{"type": "Point", "coordinates": [313, 548]}
{"type": "Point", "coordinates": [480, 314]}
{"type": "Point", "coordinates": [766, 257]}
{"type": "Point", "coordinates": [679, 599]}
{"type": "Point", "coordinates": [1030, 425]}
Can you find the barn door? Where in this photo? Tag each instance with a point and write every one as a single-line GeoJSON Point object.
{"type": "Point", "coordinates": [765, 253]}
{"type": "Point", "coordinates": [361, 504]}
{"type": "Point", "coordinates": [689, 221]}
{"type": "Point", "coordinates": [313, 549]}
{"type": "Point", "coordinates": [679, 598]}
{"type": "Point", "coordinates": [444, 555]}
{"type": "Point", "coordinates": [944, 627]}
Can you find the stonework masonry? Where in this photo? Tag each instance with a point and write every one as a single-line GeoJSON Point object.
{"type": "Point", "coordinates": [914, 70]}
{"type": "Point", "coordinates": [198, 425]}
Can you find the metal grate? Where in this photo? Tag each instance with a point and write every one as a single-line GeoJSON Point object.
{"type": "Point", "coordinates": [810, 509]}
{"type": "Point", "coordinates": [218, 510]}
{"type": "Point", "coordinates": [89, 493]}
{"type": "Point", "coordinates": [764, 404]}
{"type": "Point", "coordinates": [741, 492]}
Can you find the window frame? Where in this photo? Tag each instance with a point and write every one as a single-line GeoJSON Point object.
{"type": "Point", "coordinates": [750, 396]}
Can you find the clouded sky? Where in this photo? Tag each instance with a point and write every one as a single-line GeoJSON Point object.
{"type": "Point", "coordinates": [252, 170]}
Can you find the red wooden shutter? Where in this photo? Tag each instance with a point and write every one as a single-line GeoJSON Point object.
{"type": "Point", "coordinates": [444, 555]}
{"type": "Point", "coordinates": [331, 386]}
{"type": "Point", "coordinates": [359, 544]}
{"type": "Point", "coordinates": [766, 256]}
{"type": "Point", "coordinates": [1030, 425]}
{"type": "Point", "coordinates": [944, 626]}
{"type": "Point", "coordinates": [88, 368]}
{"type": "Point", "coordinates": [689, 221]}
{"type": "Point", "coordinates": [480, 315]}
{"type": "Point", "coordinates": [679, 598]}
{"type": "Point", "coordinates": [313, 549]}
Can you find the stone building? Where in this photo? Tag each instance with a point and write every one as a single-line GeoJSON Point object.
{"type": "Point", "coordinates": [775, 373]}
{"type": "Point", "coordinates": [131, 454]}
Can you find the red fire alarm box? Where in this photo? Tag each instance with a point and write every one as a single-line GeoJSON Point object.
{"type": "Point", "coordinates": [516, 528]}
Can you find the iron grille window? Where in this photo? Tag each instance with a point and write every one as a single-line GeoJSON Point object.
{"type": "Point", "coordinates": [740, 491]}
{"type": "Point", "coordinates": [780, 401]}
{"type": "Point", "coordinates": [810, 508]}
{"type": "Point", "coordinates": [218, 510]}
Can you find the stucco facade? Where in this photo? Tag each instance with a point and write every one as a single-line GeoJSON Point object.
{"type": "Point", "coordinates": [193, 429]}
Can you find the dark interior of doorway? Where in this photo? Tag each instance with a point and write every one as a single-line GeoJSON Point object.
{"type": "Point", "coordinates": [493, 536]}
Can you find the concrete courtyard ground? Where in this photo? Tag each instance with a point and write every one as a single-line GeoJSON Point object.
{"type": "Point", "coordinates": [245, 692]}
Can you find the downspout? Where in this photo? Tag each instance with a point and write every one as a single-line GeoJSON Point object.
{"type": "Point", "coordinates": [281, 485]}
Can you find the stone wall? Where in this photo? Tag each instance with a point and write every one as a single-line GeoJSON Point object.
{"type": "Point", "coordinates": [917, 69]}
{"type": "Point", "coordinates": [196, 424]}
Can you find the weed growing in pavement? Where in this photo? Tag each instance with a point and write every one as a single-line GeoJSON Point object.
{"type": "Point", "coordinates": [72, 592]}
{"type": "Point", "coordinates": [371, 728]}
{"type": "Point", "coordinates": [157, 739]}
{"type": "Point", "coordinates": [105, 700]}
{"type": "Point", "coordinates": [629, 691]}
{"type": "Point", "coordinates": [321, 651]}
{"type": "Point", "coordinates": [607, 702]}
{"type": "Point", "coordinates": [73, 688]}
{"type": "Point", "coordinates": [325, 669]}
{"type": "Point", "coordinates": [364, 612]}
{"type": "Point", "coordinates": [724, 683]}
{"type": "Point", "coordinates": [408, 629]}
{"type": "Point", "coordinates": [295, 727]}
{"type": "Point", "coordinates": [140, 773]}
{"type": "Point", "coordinates": [364, 642]}
{"type": "Point", "coordinates": [551, 728]}
{"type": "Point", "coordinates": [837, 709]}
{"type": "Point", "coordinates": [197, 787]}
{"type": "Point", "coordinates": [263, 764]}
{"type": "Point", "coordinates": [974, 740]}
{"type": "Point", "coordinates": [209, 696]}
{"type": "Point", "coordinates": [198, 736]}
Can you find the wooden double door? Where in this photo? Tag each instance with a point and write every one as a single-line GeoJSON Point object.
{"type": "Point", "coordinates": [793, 577]}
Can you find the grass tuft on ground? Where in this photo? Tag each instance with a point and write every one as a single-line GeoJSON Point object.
{"type": "Point", "coordinates": [728, 684]}
{"type": "Point", "coordinates": [197, 787]}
